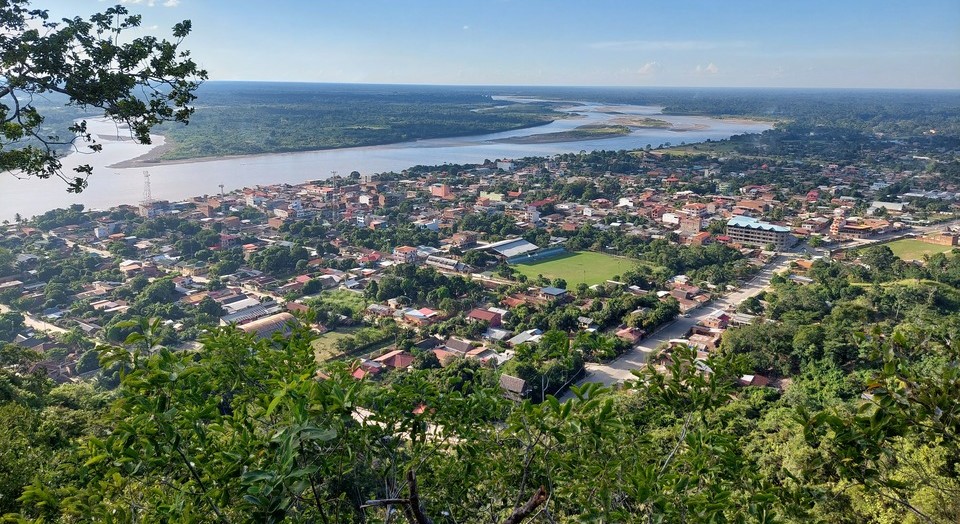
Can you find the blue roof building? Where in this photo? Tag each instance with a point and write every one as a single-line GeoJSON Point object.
{"type": "Point", "coordinates": [749, 231]}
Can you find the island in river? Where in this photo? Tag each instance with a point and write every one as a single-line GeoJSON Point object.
{"type": "Point", "coordinates": [619, 126]}
{"type": "Point", "coordinates": [587, 132]}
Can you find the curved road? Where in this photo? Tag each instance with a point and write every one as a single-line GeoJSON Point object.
{"type": "Point", "coordinates": [33, 322]}
{"type": "Point", "coordinates": [620, 369]}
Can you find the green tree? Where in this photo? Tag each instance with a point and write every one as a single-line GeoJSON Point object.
{"type": "Point", "coordinates": [140, 83]}
{"type": "Point", "coordinates": [89, 361]}
{"type": "Point", "coordinates": [209, 306]}
{"type": "Point", "coordinates": [900, 444]}
{"type": "Point", "coordinates": [10, 324]}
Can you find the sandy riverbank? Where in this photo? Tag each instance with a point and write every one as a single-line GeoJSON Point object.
{"type": "Point", "coordinates": [152, 158]}
{"type": "Point", "coordinates": [748, 121]}
{"type": "Point", "coordinates": [641, 121]}
{"type": "Point", "coordinates": [619, 110]}
{"type": "Point", "coordinates": [587, 132]}
{"type": "Point", "coordinates": [682, 128]}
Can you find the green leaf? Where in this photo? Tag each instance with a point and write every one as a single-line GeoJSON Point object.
{"type": "Point", "coordinates": [275, 402]}
{"type": "Point", "coordinates": [323, 435]}
{"type": "Point", "coordinates": [95, 460]}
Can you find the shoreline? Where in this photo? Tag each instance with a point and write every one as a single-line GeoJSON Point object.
{"type": "Point", "coordinates": [587, 132]}
{"type": "Point", "coordinates": [152, 157]}
{"type": "Point", "coordinates": [643, 122]}
{"type": "Point", "coordinates": [748, 120]}
{"type": "Point", "coordinates": [683, 128]}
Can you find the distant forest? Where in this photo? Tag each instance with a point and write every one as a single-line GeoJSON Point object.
{"type": "Point", "coordinates": [892, 112]}
{"type": "Point", "coordinates": [239, 118]}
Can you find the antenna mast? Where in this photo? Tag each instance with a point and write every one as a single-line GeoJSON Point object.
{"type": "Point", "coordinates": [147, 196]}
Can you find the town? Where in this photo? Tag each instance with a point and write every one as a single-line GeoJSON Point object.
{"type": "Point", "coordinates": [611, 258]}
{"type": "Point", "coordinates": [479, 262]}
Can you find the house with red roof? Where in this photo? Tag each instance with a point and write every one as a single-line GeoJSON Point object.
{"type": "Point", "coordinates": [397, 359]}
{"type": "Point", "coordinates": [630, 334]}
{"type": "Point", "coordinates": [483, 315]}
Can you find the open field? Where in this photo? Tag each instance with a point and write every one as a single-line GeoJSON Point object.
{"type": "Point", "coordinates": [585, 266]}
{"type": "Point", "coordinates": [366, 340]}
{"type": "Point", "coordinates": [342, 298]}
{"type": "Point", "coordinates": [724, 147]}
{"type": "Point", "coordinates": [324, 346]}
{"type": "Point", "coordinates": [912, 249]}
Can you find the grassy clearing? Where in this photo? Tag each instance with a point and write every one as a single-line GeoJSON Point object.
{"type": "Point", "coordinates": [366, 340]}
{"type": "Point", "coordinates": [585, 266]}
{"type": "Point", "coordinates": [724, 147]}
{"type": "Point", "coordinates": [946, 289]}
{"type": "Point", "coordinates": [324, 346]}
{"type": "Point", "coordinates": [913, 249]}
{"type": "Point", "coordinates": [909, 282]}
{"type": "Point", "coordinates": [342, 298]}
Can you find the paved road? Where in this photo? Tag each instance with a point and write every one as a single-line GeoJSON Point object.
{"type": "Point", "coordinates": [620, 369]}
{"type": "Point", "coordinates": [35, 323]}
{"type": "Point", "coordinates": [99, 252]}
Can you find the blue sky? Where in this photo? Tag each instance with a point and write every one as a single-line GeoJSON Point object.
{"type": "Point", "coordinates": [769, 43]}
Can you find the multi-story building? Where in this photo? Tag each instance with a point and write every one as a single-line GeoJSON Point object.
{"type": "Point", "coordinates": [690, 225]}
{"type": "Point", "coordinates": [405, 254]}
{"type": "Point", "coordinates": [441, 191]}
{"type": "Point", "coordinates": [749, 231]}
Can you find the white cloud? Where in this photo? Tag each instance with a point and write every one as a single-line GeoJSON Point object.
{"type": "Point", "coordinates": [667, 45]}
{"type": "Point", "coordinates": [649, 68]}
{"type": "Point", "coordinates": [711, 69]}
{"type": "Point", "coordinates": [466, 28]}
{"type": "Point", "coordinates": [171, 3]}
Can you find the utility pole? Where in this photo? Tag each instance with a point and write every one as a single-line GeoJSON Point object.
{"type": "Point", "coordinates": [336, 199]}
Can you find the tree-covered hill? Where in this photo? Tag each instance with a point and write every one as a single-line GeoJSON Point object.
{"type": "Point", "coordinates": [863, 427]}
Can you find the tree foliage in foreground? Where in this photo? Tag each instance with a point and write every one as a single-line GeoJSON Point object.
{"type": "Point", "coordinates": [139, 84]}
{"type": "Point", "coordinates": [246, 431]}
{"type": "Point", "coordinates": [241, 430]}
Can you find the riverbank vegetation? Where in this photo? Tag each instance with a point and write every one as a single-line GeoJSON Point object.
{"type": "Point", "coordinates": [243, 118]}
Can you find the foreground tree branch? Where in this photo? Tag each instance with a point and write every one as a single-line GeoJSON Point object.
{"type": "Point", "coordinates": [413, 511]}
{"type": "Point", "coordinates": [141, 83]}
{"type": "Point", "coordinates": [520, 514]}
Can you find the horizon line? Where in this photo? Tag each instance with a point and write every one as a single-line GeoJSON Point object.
{"type": "Point", "coordinates": [584, 86]}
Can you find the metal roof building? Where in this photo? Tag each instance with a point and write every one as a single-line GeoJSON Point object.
{"type": "Point", "coordinates": [266, 327]}
{"type": "Point", "coordinates": [511, 247]}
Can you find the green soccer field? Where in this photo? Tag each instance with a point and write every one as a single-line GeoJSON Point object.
{"type": "Point", "coordinates": [912, 249]}
{"type": "Point", "coordinates": [584, 266]}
